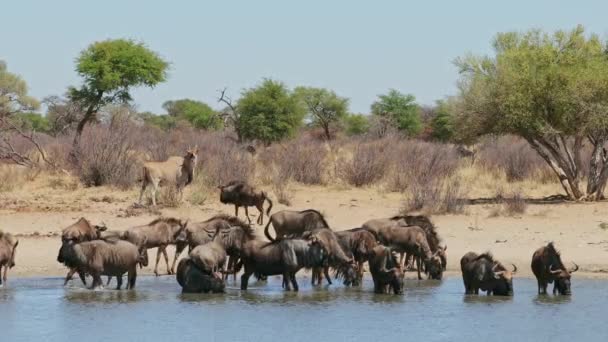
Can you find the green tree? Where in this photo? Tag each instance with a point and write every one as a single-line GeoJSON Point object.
{"type": "Point", "coordinates": [31, 121]}
{"type": "Point", "coordinates": [199, 114]}
{"type": "Point", "coordinates": [356, 124]}
{"type": "Point", "coordinates": [550, 89]}
{"type": "Point", "coordinates": [269, 112]}
{"type": "Point", "coordinates": [399, 110]}
{"type": "Point", "coordinates": [109, 69]}
{"type": "Point", "coordinates": [324, 107]}
{"type": "Point", "coordinates": [442, 124]}
{"type": "Point", "coordinates": [164, 122]}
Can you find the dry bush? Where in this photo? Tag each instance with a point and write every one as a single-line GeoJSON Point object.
{"type": "Point", "coordinates": [105, 156]}
{"type": "Point", "coordinates": [515, 204]}
{"type": "Point", "coordinates": [367, 165]}
{"type": "Point", "coordinates": [302, 160]}
{"type": "Point", "coordinates": [514, 157]}
{"type": "Point", "coordinates": [169, 196]}
{"type": "Point", "coordinates": [426, 173]}
{"type": "Point", "coordinates": [11, 176]}
{"type": "Point", "coordinates": [199, 191]}
{"type": "Point", "coordinates": [222, 160]}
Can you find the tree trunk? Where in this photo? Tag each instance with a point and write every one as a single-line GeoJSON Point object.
{"type": "Point", "coordinates": [561, 161]}
{"type": "Point", "coordinates": [326, 130]}
{"type": "Point", "coordinates": [91, 110]}
{"type": "Point", "coordinates": [598, 169]}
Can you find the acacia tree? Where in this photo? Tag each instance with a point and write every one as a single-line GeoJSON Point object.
{"type": "Point", "coordinates": [398, 110]}
{"type": "Point", "coordinates": [269, 112]}
{"type": "Point", "coordinates": [550, 89]}
{"type": "Point", "coordinates": [324, 107]}
{"type": "Point", "coordinates": [109, 69]}
{"type": "Point", "coordinates": [199, 114]}
{"type": "Point", "coordinates": [15, 101]}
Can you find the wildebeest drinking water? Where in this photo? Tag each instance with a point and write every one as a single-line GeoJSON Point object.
{"type": "Point", "coordinates": [8, 249]}
{"type": "Point", "coordinates": [548, 268]}
{"type": "Point", "coordinates": [386, 271]}
{"type": "Point", "coordinates": [336, 258]}
{"type": "Point", "coordinates": [175, 171]}
{"type": "Point", "coordinates": [294, 223]}
{"type": "Point", "coordinates": [194, 280]}
{"type": "Point", "coordinates": [358, 244]}
{"type": "Point", "coordinates": [482, 271]}
{"type": "Point", "coordinates": [242, 194]}
{"type": "Point", "coordinates": [99, 257]}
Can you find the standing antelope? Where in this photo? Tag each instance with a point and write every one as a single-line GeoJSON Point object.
{"type": "Point", "coordinates": [178, 171]}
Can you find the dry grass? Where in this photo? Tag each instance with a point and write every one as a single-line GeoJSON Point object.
{"type": "Point", "coordinates": [367, 165]}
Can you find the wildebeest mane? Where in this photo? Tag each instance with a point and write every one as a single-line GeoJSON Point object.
{"type": "Point", "coordinates": [318, 213]}
{"type": "Point", "coordinates": [168, 220]}
{"type": "Point", "coordinates": [555, 257]}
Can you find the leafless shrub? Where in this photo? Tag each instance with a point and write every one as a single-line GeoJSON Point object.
{"type": "Point", "coordinates": [222, 160]}
{"type": "Point", "coordinates": [515, 204]}
{"type": "Point", "coordinates": [170, 197]}
{"type": "Point", "coordinates": [367, 165]}
{"type": "Point", "coordinates": [513, 156]}
{"type": "Point", "coordinates": [11, 176]}
{"type": "Point", "coordinates": [105, 156]}
{"type": "Point", "coordinates": [199, 190]}
{"type": "Point", "coordinates": [302, 160]}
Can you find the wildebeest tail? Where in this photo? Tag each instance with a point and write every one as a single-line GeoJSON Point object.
{"type": "Point", "coordinates": [269, 202]}
{"type": "Point", "coordinates": [266, 232]}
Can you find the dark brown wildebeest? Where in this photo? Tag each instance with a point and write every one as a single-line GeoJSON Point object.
{"type": "Point", "coordinates": [336, 258]}
{"type": "Point", "coordinates": [175, 171]}
{"type": "Point", "coordinates": [288, 223]}
{"type": "Point", "coordinates": [193, 280]}
{"type": "Point", "coordinates": [234, 234]}
{"type": "Point", "coordinates": [242, 194]}
{"type": "Point", "coordinates": [99, 257]}
{"type": "Point", "coordinates": [357, 243]}
{"type": "Point", "coordinates": [412, 240]}
{"type": "Point", "coordinates": [548, 268]}
{"type": "Point", "coordinates": [284, 257]}
{"type": "Point", "coordinates": [8, 249]}
{"type": "Point", "coordinates": [385, 271]}
{"type": "Point", "coordinates": [159, 233]}
{"type": "Point", "coordinates": [80, 231]}
{"type": "Point", "coordinates": [485, 273]}
{"type": "Point", "coordinates": [374, 226]}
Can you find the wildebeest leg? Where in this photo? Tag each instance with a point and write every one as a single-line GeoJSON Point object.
{"type": "Point", "coordinates": [177, 253]}
{"type": "Point", "coordinates": [131, 277]}
{"type": "Point", "coordinates": [96, 281]}
{"type": "Point", "coordinates": [109, 280]}
{"type": "Point", "coordinates": [360, 271]}
{"type": "Point", "coordinates": [245, 279]}
{"type": "Point", "coordinates": [542, 287]}
{"type": "Point", "coordinates": [144, 185]}
{"type": "Point", "coordinates": [247, 214]}
{"type": "Point", "coordinates": [118, 282]}
{"type": "Point", "coordinates": [326, 271]}
{"type": "Point", "coordinates": [401, 259]}
{"type": "Point", "coordinates": [418, 266]}
{"type": "Point", "coordinates": [294, 282]}
{"type": "Point", "coordinates": [69, 276]}
{"type": "Point", "coordinates": [236, 210]}
{"type": "Point", "coordinates": [157, 261]}
{"type": "Point", "coordinates": [5, 267]}
{"type": "Point", "coordinates": [166, 259]}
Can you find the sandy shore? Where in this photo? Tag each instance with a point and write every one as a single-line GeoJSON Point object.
{"type": "Point", "coordinates": [575, 228]}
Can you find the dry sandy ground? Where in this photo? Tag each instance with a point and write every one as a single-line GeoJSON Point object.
{"type": "Point", "coordinates": [39, 216]}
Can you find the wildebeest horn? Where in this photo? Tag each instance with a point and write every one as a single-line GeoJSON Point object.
{"type": "Point", "coordinates": [445, 248]}
{"type": "Point", "coordinates": [574, 269]}
{"type": "Point", "coordinates": [553, 271]}
{"type": "Point", "coordinates": [185, 223]}
{"type": "Point", "coordinates": [514, 269]}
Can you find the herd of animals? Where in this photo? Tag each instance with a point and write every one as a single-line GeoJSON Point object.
{"type": "Point", "coordinates": [225, 245]}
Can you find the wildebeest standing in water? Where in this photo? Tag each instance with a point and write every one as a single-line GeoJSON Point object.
{"type": "Point", "coordinates": [485, 273]}
{"type": "Point", "coordinates": [285, 257]}
{"type": "Point", "coordinates": [386, 271]}
{"type": "Point", "coordinates": [160, 233]}
{"type": "Point", "coordinates": [175, 171]}
{"type": "Point", "coordinates": [80, 231]}
{"type": "Point", "coordinates": [358, 243]}
{"type": "Point", "coordinates": [99, 257]}
{"type": "Point", "coordinates": [210, 257]}
{"type": "Point", "coordinates": [289, 223]}
{"type": "Point", "coordinates": [194, 280]}
{"type": "Point", "coordinates": [548, 268]}
{"type": "Point", "coordinates": [8, 249]}
{"type": "Point", "coordinates": [242, 194]}
{"type": "Point", "coordinates": [336, 258]}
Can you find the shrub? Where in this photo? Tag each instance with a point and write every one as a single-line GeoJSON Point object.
{"type": "Point", "coordinates": [302, 161]}
{"type": "Point", "coordinates": [367, 165]}
{"type": "Point", "coordinates": [513, 156]}
{"type": "Point", "coordinates": [105, 156]}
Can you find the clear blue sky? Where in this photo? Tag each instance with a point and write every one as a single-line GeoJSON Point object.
{"type": "Point", "coordinates": [357, 48]}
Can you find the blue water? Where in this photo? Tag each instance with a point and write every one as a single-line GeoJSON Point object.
{"type": "Point", "coordinates": [41, 309]}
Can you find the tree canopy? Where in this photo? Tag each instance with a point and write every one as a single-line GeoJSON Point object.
{"type": "Point", "coordinates": [14, 96]}
{"type": "Point", "coordinates": [269, 112]}
{"type": "Point", "coordinates": [109, 70]}
{"type": "Point", "coordinates": [324, 108]}
{"type": "Point", "coordinates": [442, 124]}
{"type": "Point", "coordinates": [550, 89]}
{"type": "Point", "coordinates": [399, 110]}
{"type": "Point", "coordinates": [199, 114]}
{"type": "Point", "coordinates": [356, 124]}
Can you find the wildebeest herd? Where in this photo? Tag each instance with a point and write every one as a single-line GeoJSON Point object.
{"type": "Point", "coordinates": [225, 245]}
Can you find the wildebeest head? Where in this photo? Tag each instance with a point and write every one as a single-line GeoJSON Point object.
{"type": "Point", "coordinates": [562, 279]}
{"type": "Point", "coordinates": [317, 252]}
{"type": "Point", "coordinates": [66, 251]}
{"type": "Point", "coordinates": [434, 266]}
{"type": "Point", "coordinates": [504, 280]}
{"type": "Point", "coordinates": [348, 272]}
{"type": "Point", "coordinates": [142, 259]}
{"type": "Point", "coordinates": [396, 280]}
